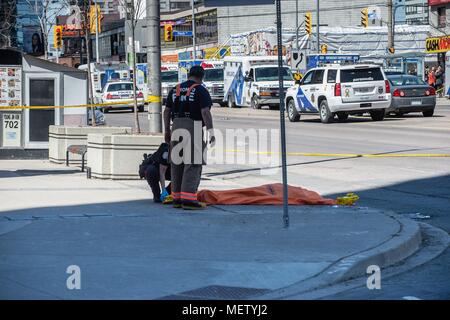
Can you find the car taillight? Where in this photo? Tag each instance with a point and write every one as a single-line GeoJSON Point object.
{"type": "Point", "coordinates": [398, 93]}
{"type": "Point", "coordinates": [140, 95]}
{"type": "Point", "coordinates": [387, 86]}
{"type": "Point", "coordinates": [430, 92]}
{"type": "Point", "coordinates": [337, 90]}
{"type": "Point", "coordinates": [109, 96]}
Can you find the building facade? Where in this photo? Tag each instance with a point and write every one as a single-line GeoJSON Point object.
{"type": "Point", "coordinates": [20, 28]}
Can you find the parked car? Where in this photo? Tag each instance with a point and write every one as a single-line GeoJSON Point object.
{"type": "Point", "coordinates": [121, 91]}
{"type": "Point", "coordinates": [340, 90]}
{"type": "Point", "coordinates": [411, 94]}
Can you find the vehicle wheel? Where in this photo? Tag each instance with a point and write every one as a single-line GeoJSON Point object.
{"type": "Point", "coordinates": [141, 108]}
{"type": "Point", "coordinates": [377, 115]}
{"type": "Point", "coordinates": [293, 114]}
{"type": "Point", "coordinates": [342, 116]}
{"type": "Point", "coordinates": [428, 113]}
{"type": "Point", "coordinates": [255, 103]}
{"type": "Point", "coordinates": [325, 114]}
{"type": "Point", "coordinates": [230, 102]}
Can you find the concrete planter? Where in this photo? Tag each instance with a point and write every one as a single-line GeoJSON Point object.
{"type": "Point", "coordinates": [60, 137]}
{"type": "Point", "coordinates": [117, 156]}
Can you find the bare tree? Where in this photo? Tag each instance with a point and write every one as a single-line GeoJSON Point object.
{"type": "Point", "coordinates": [8, 14]}
{"type": "Point", "coordinates": [46, 12]}
{"type": "Point", "coordinates": [135, 10]}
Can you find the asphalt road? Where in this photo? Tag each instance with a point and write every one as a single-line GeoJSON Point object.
{"type": "Point", "coordinates": [416, 183]}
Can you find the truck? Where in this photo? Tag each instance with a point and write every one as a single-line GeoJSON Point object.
{"type": "Point", "coordinates": [103, 72]}
{"type": "Point", "coordinates": [169, 78]}
{"type": "Point", "coordinates": [252, 81]}
{"type": "Point", "coordinates": [213, 80]}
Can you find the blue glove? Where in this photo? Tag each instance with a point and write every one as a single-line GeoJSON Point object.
{"type": "Point", "coordinates": [164, 194]}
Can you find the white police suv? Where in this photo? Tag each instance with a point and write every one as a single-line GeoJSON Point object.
{"type": "Point", "coordinates": [338, 90]}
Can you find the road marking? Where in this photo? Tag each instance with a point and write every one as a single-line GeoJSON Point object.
{"type": "Point", "coordinates": [349, 155]}
{"type": "Point", "coordinates": [410, 298]}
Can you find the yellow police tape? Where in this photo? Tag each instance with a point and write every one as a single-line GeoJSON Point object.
{"type": "Point", "coordinates": [350, 155]}
{"type": "Point", "coordinates": [150, 99]}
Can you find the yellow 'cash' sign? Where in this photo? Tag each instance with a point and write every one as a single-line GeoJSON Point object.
{"type": "Point", "coordinates": [435, 45]}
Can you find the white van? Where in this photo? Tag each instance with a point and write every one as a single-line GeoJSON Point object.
{"type": "Point", "coordinates": [252, 81]}
{"type": "Point", "coordinates": [103, 72]}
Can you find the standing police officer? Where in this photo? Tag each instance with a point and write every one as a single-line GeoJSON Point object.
{"type": "Point", "coordinates": [188, 106]}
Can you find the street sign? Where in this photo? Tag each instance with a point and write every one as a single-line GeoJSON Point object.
{"type": "Point", "coordinates": [298, 60]}
{"type": "Point", "coordinates": [182, 33]}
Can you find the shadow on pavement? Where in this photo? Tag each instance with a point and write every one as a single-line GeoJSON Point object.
{"type": "Point", "coordinates": [426, 197]}
{"type": "Point", "coordinates": [31, 173]}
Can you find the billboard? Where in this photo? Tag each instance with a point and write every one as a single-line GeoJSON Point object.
{"type": "Point", "coordinates": [32, 40]}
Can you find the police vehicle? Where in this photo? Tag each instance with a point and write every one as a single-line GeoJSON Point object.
{"type": "Point", "coordinates": [120, 95]}
{"type": "Point", "coordinates": [340, 90]}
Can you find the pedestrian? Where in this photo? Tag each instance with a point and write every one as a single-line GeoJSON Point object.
{"type": "Point", "coordinates": [439, 75]}
{"type": "Point", "coordinates": [432, 78]}
{"type": "Point", "coordinates": [157, 171]}
{"type": "Point", "coordinates": [427, 70]}
{"type": "Point", "coordinates": [188, 106]}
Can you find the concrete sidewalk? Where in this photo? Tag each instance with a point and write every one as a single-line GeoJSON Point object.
{"type": "Point", "coordinates": [52, 217]}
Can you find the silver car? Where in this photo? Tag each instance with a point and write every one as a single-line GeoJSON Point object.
{"type": "Point", "coordinates": [411, 94]}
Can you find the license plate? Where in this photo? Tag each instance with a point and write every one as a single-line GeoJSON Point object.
{"type": "Point", "coordinates": [416, 103]}
{"type": "Point", "coordinates": [365, 105]}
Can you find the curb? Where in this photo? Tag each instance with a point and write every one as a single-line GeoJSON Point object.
{"type": "Point", "coordinates": [401, 245]}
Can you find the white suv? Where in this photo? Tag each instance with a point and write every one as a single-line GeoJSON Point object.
{"type": "Point", "coordinates": [340, 90]}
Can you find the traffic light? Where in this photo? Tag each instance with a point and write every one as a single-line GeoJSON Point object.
{"type": "Point", "coordinates": [57, 37]}
{"type": "Point", "coordinates": [168, 33]}
{"type": "Point", "coordinates": [308, 22]}
{"type": "Point", "coordinates": [324, 49]}
{"type": "Point", "coordinates": [95, 16]}
{"type": "Point", "coordinates": [365, 17]}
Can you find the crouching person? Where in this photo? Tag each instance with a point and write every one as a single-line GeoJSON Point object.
{"type": "Point", "coordinates": [157, 172]}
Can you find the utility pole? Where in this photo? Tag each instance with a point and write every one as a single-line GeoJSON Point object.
{"type": "Point", "coordinates": [282, 116]}
{"type": "Point", "coordinates": [318, 28]}
{"type": "Point", "coordinates": [86, 27]}
{"type": "Point", "coordinates": [194, 40]}
{"type": "Point", "coordinates": [296, 24]}
{"type": "Point", "coordinates": [97, 58]}
{"type": "Point", "coordinates": [390, 25]}
{"type": "Point", "coordinates": [154, 67]}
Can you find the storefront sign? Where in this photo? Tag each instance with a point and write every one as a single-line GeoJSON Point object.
{"type": "Point", "coordinates": [435, 45]}
{"type": "Point", "coordinates": [11, 126]}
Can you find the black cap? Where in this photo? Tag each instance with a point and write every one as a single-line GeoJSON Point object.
{"type": "Point", "coordinates": [197, 72]}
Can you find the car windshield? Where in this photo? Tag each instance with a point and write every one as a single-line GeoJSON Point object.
{"type": "Point", "coordinates": [213, 75]}
{"type": "Point", "coordinates": [271, 74]}
{"type": "Point", "coordinates": [406, 80]}
{"type": "Point", "coordinates": [120, 87]}
{"type": "Point", "coordinates": [360, 75]}
{"type": "Point", "coordinates": [169, 76]}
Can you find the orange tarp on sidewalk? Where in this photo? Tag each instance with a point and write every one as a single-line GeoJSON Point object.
{"type": "Point", "coordinates": [266, 194]}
